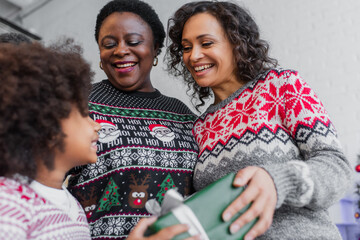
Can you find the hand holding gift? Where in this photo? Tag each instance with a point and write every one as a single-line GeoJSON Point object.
{"type": "Point", "coordinates": [164, 234]}
{"type": "Point", "coordinates": [261, 192]}
{"type": "Point", "coordinates": [202, 211]}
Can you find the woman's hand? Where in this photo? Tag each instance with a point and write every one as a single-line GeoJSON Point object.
{"type": "Point", "coordinates": [261, 192]}
{"type": "Point", "coordinates": [167, 233]}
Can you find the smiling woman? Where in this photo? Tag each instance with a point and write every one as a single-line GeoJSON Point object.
{"type": "Point", "coordinates": [265, 123]}
{"type": "Point", "coordinates": [127, 51]}
{"type": "Point", "coordinates": [208, 55]}
{"type": "Point", "coordinates": [145, 137]}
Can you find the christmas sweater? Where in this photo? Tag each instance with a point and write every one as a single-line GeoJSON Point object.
{"type": "Point", "coordinates": [145, 147]}
{"type": "Point", "coordinates": [26, 215]}
{"type": "Point", "coordinates": [278, 123]}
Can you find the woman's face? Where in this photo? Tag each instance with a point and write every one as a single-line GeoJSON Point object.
{"type": "Point", "coordinates": [207, 53]}
{"type": "Point", "coordinates": [127, 51]}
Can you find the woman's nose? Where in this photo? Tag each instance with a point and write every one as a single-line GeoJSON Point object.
{"type": "Point", "coordinates": [196, 54]}
{"type": "Point", "coordinates": [121, 50]}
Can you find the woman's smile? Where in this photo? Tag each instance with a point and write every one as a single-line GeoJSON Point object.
{"type": "Point", "coordinates": [124, 67]}
{"type": "Point", "coordinates": [202, 69]}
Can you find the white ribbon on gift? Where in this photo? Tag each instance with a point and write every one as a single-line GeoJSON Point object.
{"type": "Point", "coordinates": [173, 202]}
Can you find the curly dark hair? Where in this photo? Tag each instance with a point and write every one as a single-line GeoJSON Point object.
{"type": "Point", "coordinates": [14, 38]}
{"type": "Point", "coordinates": [144, 10]}
{"type": "Point", "coordinates": [38, 87]}
{"type": "Point", "coordinates": [250, 52]}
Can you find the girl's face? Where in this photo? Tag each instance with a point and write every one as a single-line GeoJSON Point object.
{"type": "Point", "coordinates": [81, 135]}
{"type": "Point", "coordinates": [208, 54]}
{"type": "Point", "coordinates": [127, 51]}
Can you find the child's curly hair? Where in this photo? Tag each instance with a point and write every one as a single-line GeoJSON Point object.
{"type": "Point", "coordinates": [38, 87]}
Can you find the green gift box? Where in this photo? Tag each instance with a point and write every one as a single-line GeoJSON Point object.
{"type": "Point", "coordinates": [208, 206]}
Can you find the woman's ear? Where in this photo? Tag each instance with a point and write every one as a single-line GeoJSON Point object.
{"type": "Point", "coordinates": [156, 50]}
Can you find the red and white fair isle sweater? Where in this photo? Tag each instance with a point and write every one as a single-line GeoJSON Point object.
{"type": "Point", "coordinates": [26, 215]}
{"type": "Point", "coordinates": [278, 123]}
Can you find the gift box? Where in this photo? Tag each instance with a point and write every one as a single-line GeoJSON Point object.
{"type": "Point", "coordinates": [205, 208]}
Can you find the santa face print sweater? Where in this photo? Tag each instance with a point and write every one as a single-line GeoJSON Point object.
{"type": "Point", "coordinates": [26, 215]}
{"type": "Point", "coordinates": [278, 123]}
{"type": "Point", "coordinates": [145, 148]}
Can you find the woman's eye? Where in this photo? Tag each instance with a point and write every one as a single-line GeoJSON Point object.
{"type": "Point", "coordinates": [134, 43]}
{"type": "Point", "coordinates": [186, 49]}
{"type": "Point", "coordinates": [109, 45]}
{"type": "Point", "coordinates": [206, 44]}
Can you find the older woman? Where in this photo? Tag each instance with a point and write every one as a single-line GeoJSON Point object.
{"type": "Point", "coordinates": [265, 123]}
{"type": "Point", "coordinates": [145, 144]}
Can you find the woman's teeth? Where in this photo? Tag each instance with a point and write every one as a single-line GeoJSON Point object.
{"type": "Point", "coordinates": [125, 65]}
{"type": "Point", "coordinates": [203, 67]}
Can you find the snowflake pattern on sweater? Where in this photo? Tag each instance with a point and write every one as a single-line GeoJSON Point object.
{"type": "Point", "coordinates": [278, 123]}
{"type": "Point", "coordinates": [145, 139]}
{"type": "Point", "coordinates": [26, 215]}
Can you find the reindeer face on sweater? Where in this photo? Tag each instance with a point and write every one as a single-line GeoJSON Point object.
{"type": "Point", "coordinates": [88, 201]}
{"type": "Point", "coordinates": [138, 194]}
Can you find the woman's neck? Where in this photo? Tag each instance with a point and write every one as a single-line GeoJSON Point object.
{"type": "Point", "coordinates": [224, 91]}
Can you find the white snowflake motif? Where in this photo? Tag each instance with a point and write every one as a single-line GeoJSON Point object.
{"type": "Point", "coordinates": [121, 158]}
{"type": "Point", "coordinates": [135, 220]}
{"type": "Point", "coordinates": [190, 160]}
{"type": "Point", "coordinates": [81, 179]}
{"type": "Point", "coordinates": [146, 157]}
{"type": "Point", "coordinates": [169, 159]}
{"type": "Point", "coordinates": [95, 229]}
{"type": "Point", "coordinates": [97, 168]}
{"type": "Point", "coordinates": [115, 226]}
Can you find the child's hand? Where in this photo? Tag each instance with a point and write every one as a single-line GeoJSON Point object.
{"type": "Point", "coordinates": [164, 234]}
{"type": "Point", "coordinates": [261, 192]}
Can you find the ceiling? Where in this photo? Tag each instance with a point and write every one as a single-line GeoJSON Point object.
{"type": "Point", "coordinates": [15, 10]}
{"type": "Point", "coordinates": [12, 13]}
{"type": "Point", "coordinates": [23, 3]}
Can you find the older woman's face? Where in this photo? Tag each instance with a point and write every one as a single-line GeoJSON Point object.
{"type": "Point", "coordinates": [127, 51]}
{"type": "Point", "coordinates": [207, 53]}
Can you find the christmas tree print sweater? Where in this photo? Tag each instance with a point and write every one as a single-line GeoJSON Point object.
{"type": "Point", "coordinates": [145, 147]}
{"type": "Point", "coordinates": [26, 215]}
{"type": "Point", "coordinates": [278, 123]}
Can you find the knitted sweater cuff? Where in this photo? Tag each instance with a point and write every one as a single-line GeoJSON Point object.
{"type": "Point", "coordinates": [292, 182]}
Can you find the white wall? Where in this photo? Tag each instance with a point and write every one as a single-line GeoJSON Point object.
{"type": "Point", "coordinates": [320, 38]}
